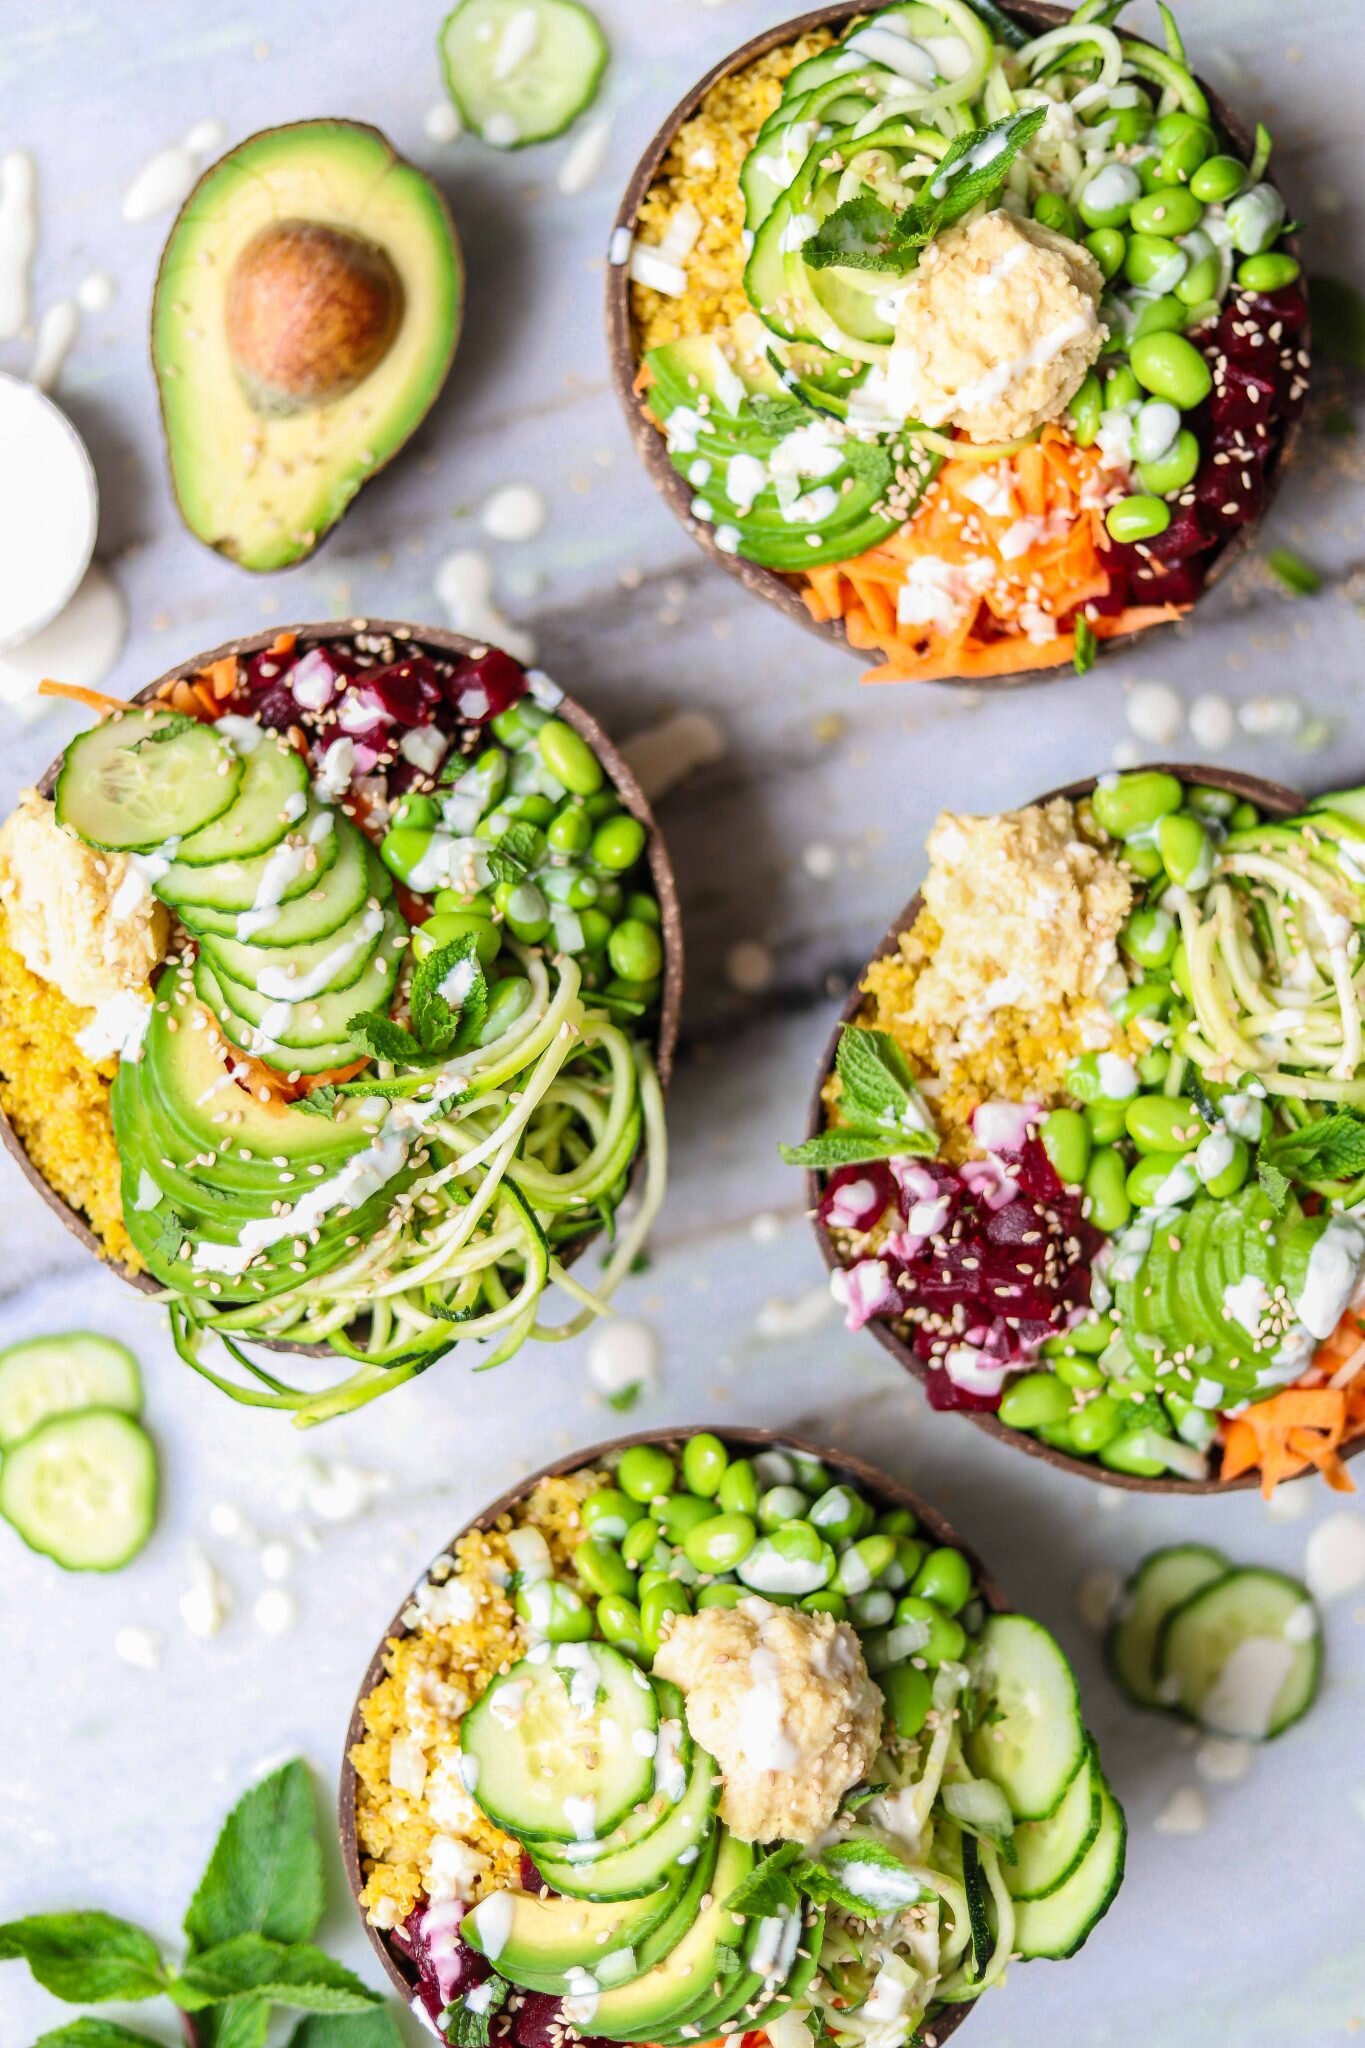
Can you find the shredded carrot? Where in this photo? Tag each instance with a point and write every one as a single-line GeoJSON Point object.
{"type": "Point", "coordinates": [220, 678]}
{"type": "Point", "coordinates": [1045, 584]}
{"type": "Point", "coordinates": [260, 1080]}
{"type": "Point", "coordinates": [1307, 1424]}
{"type": "Point", "coordinates": [95, 700]}
{"type": "Point", "coordinates": [283, 643]}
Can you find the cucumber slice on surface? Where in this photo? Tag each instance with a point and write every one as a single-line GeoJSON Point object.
{"type": "Point", "coordinates": [1158, 1586]}
{"type": "Point", "coordinates": [142, 778]}
{"type": "Point", "coordinates": [47, 1376]}
{"type": "Point", "coordinates": [1243, 1656]}
{"type": "Point", "coordinates": [538, 1740]}
{"type": "Point", "coordinates": [81, 1489]}
{"type": "Point", "coordinates": [1056, 1926]}
{"type": "Point", "coordinates": [269, 800]}
{"type": "Point", "coordinates": [1029, 1739]}
{"type": "Point", "coordinates": [1047, 1851]}
{"type": "Point", "coordinates": [520, 71]}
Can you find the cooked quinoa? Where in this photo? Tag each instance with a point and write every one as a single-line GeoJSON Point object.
{"type": "Point", "coordinates": [702, 169]}
{"type": "Point", "coordinates": [419, 1831]}
{"type": "Point", "coordinates": [57, 1101]}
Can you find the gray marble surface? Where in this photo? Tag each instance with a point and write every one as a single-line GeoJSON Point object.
{"type": "Point", "coordinates": [113, 1778]}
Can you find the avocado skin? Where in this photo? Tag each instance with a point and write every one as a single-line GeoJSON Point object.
{"type": "Point", "coordinates": [264, 487]}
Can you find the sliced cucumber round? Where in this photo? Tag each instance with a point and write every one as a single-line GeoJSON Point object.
{"type": "Point", "coordinates": [1243, 1656]}
{"type": "Point", "coordinates": [81, 1489]}
{"type": "Point", "coordinates": [251, 964]}
{"type": "Point", "coordinates": [290, 1059]}
{"type": "Point", "coordinates": [1029, 1737]}
{"type": "Point", "coordinates": [1056, 1926]}
{"type": "Point", "coordinates": [271, 798]}
{"type": "Point", "coordinates": [563, 1748]}
{"type": "Point", "coordinates": [1047, 1851]}
{"type": "Point", "coordinates": [336, 890]}
{"type": "Point", "coordinates": [520, 71]}
{"type": "Point", "coordinates": [45, 1376]}
{"type": "Point", "coordinates": [290, 869]}
{"type": "Point", "coordinates": [1158, 1586]}
{"type": "Point", "coordinates": [655, 1858]}
{"type": "Point", "coordinates": [144, 777]}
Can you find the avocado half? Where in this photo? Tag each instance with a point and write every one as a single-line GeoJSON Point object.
{"type": "Point", "coordinates": [305, 317]}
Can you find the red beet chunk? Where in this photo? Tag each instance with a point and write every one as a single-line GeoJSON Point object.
{"type": "Point", "coordinates": [944, 1394]}
{"type": "Point", "coordinates": [1180, 584]}
{"type": "Point", "coordinates": [482, 687]}
{"type": "Point", "coordinates": [855, 1196]}
{"type": "Point", "coordinates": [408, 691]}
{"type": "Point", "coordinates": [446, 1969]}
{"type": "Point", "coordinates": [1230, 495]}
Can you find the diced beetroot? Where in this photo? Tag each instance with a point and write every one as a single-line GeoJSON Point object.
{"type": "Point", "coordinates": [318, 677]}
{"type": "Point", "coordinates": [1037, 1176]}
{"type": "Point", "coordinates": [1288, 306]}
{"type": "Point", "coordinates": [1186, 535]}
{"type": "Point", "coordinates": [1180, 584]}
{"type": "Point", "coordinates": [945, 1394]}
{"type": "Point", "coordinates": [1230, 495]}
{"type": "Point", "coordinates": [1244, 396]}
{"type": "Point", "coordinates": [445, 1967]}
{"type": "Point", "coordinates": [479, 689]}
{"type": "Point", "coordinates": [408, 691]}
{"type": "Point", "coordinates": [855, 1196]}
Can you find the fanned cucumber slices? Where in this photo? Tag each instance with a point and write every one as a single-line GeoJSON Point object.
{"type": "Point", "coordinates": [78, 1480]}
{"type": "Point", "coordinates": [1238, 1651]}
{"type": "Point", "coordinates": [144, 777]}
{"type": "Point", "coordinates": [1030, 1738]}
{"type": "Point", "coordinates": [520, 71]}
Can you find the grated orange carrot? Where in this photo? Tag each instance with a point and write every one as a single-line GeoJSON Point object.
{"type": "Point", "coordinates": [94, 700]}
{"type": "Point", "coordinates": [1053, 577]}
{"type": "Point", "coordinates": [1307, 1424]}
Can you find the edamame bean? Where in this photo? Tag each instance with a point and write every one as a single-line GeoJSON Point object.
{"type": "Point", "coordinates": [808, 1473]}
{"type": "Point", "coordinates": [1163, 1123]}
{"type": "Point", "coordinates": [1268, 273]}
{"type": "Point", "coordinates": [910, 1554]}
{"type": "Point", "coordinates": [447, 926]}
{"type": "Point", "coordinates": [894, 1522]}
{"type": "Point", "coordinates": [1154, 1066]}
{"type": "Point", "coordinates": [1076, 1371]}
{"type": "Point", "coordinates": [720, 1543]}
{"type": "Point", "coordinates": [838, 1514]}
{"type": "Point", "coordinates": [872, 1610]}
{"type": "Point", "coordinates": [1222, 1163]}
{"type": "Point", "coordinates": [1107, 245]}
{"type": "Point", "coordinates": [1143, 999]}
{"type": "Point", "coordinates": [618, 842]}
{"type": "Point", "coordinates": [571, 886]}
{"type": "Point", "coordinates": [1170, 211]}
{"type": "Point", "coordinates": [635, 950]}
{"type": "Point", "coordinates": [645, 1471]}
{"type": "Point", "coordinates": [1254, 219]}
{"type": "Point", "coordinates": [570, 830]}
{"type": "Point", "coordinates": [909, 1694]}
{"type": "Point", "coordinates": [1094, 1335]}
{"type": "Point", "coordinates": [1034, 1398]}
{"type": "Point", "coordinates": [1121, 389]}
{"type": "Point", "coordinates": [942, 1640]}
{"type": "Point", "coordinates": [1200, 282]}
{"type": "Point", "coordinates": [1186, 850]}
{"type": "Point", "coordinates": [603, 1569]}
{"type": "Point", "coordinates": [676, 1513]}
{"type": "Point", "coordinates": [1154, 264]}
{"type": "Point", "coordinates": [1166, 315]}
{"type": "Point", "coordinates": [653, 1575]}
{"type": "Point", "coordinates": [519, 722]}
{"type": "Point", "coordinates": [403, 848]}
{"type": "Point", "coordinates": [1106, 198]}
{"type": "Point", "coordinates": [1132, 125]}
{"type": "Point", "coordinates": [1171, 367]}
{"type": "Point", "coordinates": [1107, 1203]}
{"type": "Point", "coordinates": [945, 1577]}
{"type": "Point", "coordinates": [1161, 1179]}
{"type": "Point", "coordinates": [738, 1492]}
{"type": "Point", "coordinates": [596, 927]}
{"type": "Point", "coordinates": [1083, 414]}
{"type": "Point", "coordinates": [1244, 814]}
{"type": "Point", "coordinates": [704, 1461]}
{"type": "Point", "coordinates": [1173, 470]}
{"type": "Point", "coordinates": [1128, 1453]}
{"type": "Point", "coordinates": [721, 1595]}
{"type": "Point", "coordinates": [658, 1603]}
{"type": "Point", "coordinates": [554, 1611]}
{"type": "Point", "coordinates": [1138, 518]}
{"type": "Point", "coordinates": [1065, 1138]}
{"type": "Point", "coordinates": [863, 1562]}
{"type": "Point", "coordinates": [637, 1545]}
{"type": "Point", "coordinates": [792, 1560]}
{"type": "Point", "coordinates": [1180, 159]}
{"type": "Point", "coordinates": [1144, 861]}
{"type": "Point", "coordinates": [532, 808]}
{"type": "Point", "coordinates": [1218, 179]}
{"type": "Point", "coordinates": [781, 1504]}
{"type": "Point", "coordinates": [643, 906]}
{"type": "Point", "coordinates": [609, 1513]}
{"type": "Point", "coordinates": [619, 1621]}
{"type": "Point", "coordinates": [1208, 802]}
{"type": "Point", "coordinates": [1096, 1424]}
{"type": "Point", "coordinates": [508, 999]}
{"type": "Point", "coordinates": [825, 1602]}
{"type": "Point", "coordinates": [1134, 803]}
{"type": "Point", "coordinates": [1105, 1120]}
{"type": "Point", "coordinates": [417, 813]}
{"type": "Point", "coordinates": [524, 909]}
{"type": "Point", "coordinates": [569, 758]}
{"type": "Point", "coordinates": [1149, 937]}
{"type": "Point", "coordinates": [1050, 210]}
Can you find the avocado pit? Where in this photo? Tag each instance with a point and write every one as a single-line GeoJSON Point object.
{"type": "Point", "coordinates": [311, 312]}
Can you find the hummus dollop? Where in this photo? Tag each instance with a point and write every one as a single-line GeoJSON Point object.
{"type": "Point", "coordinates": [70, 919]}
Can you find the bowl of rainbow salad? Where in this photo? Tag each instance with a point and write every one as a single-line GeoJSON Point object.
{"type": "Point", "coordinates": [339, 977]}
{"type": "Point", "coordinates": [1087, 1154]}
{"type": "Point", "coordinates": [691, 1736]}
{"type": "Point", "coordinates": [973, 337]}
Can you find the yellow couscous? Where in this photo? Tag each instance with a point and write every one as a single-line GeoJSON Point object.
{"type": "Point", "coordinates": [58, 1101]}
{"type": "Point", "coordinates": [420, 1833]}
{"type": "Point", "coordinates": [702, 169]}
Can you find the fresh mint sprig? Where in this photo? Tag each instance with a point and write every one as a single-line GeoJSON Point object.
{"type": "Point", "coordinates": [867, 234]}
{"type": "Point", "coordinates": [882, 1114]}
{"type": "Point", "coordinates": [833, 1878]}
{"type": "Point", "coordinates": [248, 1929]}
{"type": "Point", "coordinates": [448, 1002]}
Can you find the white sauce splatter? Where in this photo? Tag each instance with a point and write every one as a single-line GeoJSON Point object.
{"type": "Point", "coordinates": [207, 1600]}
{"type": "Point", "coordinates": [622, 1353]}
{"type": "Point", "coordinates": [464, 590]}
{"type": "Point", "coordinates": [48, 511]}
{"type": "Point", "coordinates": [166, 179]}
{"type": "Point", "coordinates": [667, 754]}
{"type": "Point", "coordinates": [97, 292]}
{"type": "Point", "coordinates": [1335, 1559]}
{"type": "Point", "coordinates": [586, 157]}
{"type": "Point", "coordinates": [140, 1647]}
{"type": "Point", "coordinates": [1155, 712]}
{"type": "Point", "coordinates": [515, 512]}
{"type": "Point", "coordinates": [57, 330]}
{"type": "Point", "coordinates": [1186, 1812]}
{"type": "Point", "coordinates": [441, 122]}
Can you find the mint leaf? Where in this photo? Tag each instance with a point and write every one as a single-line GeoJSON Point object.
{"type": "Point", "coordinates": [862, 234]}
{"type": "Point", "coordinates": [320, 1101]}
{"type": "Point", "coordinates": [1332, 1148]}
{"type": "Point", "coordinates": [449, 998]}
{"type": "Point", "coordinates": [779, 416]}
{"type": "Point", "coordinates": [241, 2023]}
{"type": "Point", "coordinates": [373, 2029]}
{"type": "Point", "coordinates": [171, 1231]}
{"type": "Point", "coordinates": [466, 2029]}
{"type": "Point", "coordinates": [769, 1887]}
{"type": "Point", "coordinates": [265, 1873]}
{"type": "Point", "coordinates": [855, 1148]}
{"type": "Point", "coordinates": [294, 1974]}
{"type": "Point", "coordinates": [862, 1877]}
{"type": "Point", "coordinates": [876, 1086]}
{"type": "Point", "coordinates": [1087, 645]}
{"type": "Point", "coordinates": [85, 1958]}
{"type": "Point", "coordinates": [511, 858]}
{"type": "Point", "coordinates": [176, 723]}
{"type": "Point", "coordinates": [93, 2033]}
{"type": "Point", "coordinates": [1273, 1182]}
{"type": "Point", "coordinates": [385, 1038]}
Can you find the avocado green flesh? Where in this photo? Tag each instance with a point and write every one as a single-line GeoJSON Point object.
{"type": "Point", "coordinates": [265, 488]}
{"type": "Point", "coordinates": [664, 1997]}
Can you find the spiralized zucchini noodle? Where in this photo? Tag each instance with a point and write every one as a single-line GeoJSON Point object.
{"type": "Point", "coordinates": [518, 1149]}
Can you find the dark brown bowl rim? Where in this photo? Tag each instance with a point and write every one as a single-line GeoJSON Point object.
{"type": "Point", "coordinates": [877, 1483]}
{"type": "Point", "coordinates": [1280, 802]}
{"type": "Point", "coordinates": [445, 644]}
{"type": "Point", "coordinates": [781, 590]}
